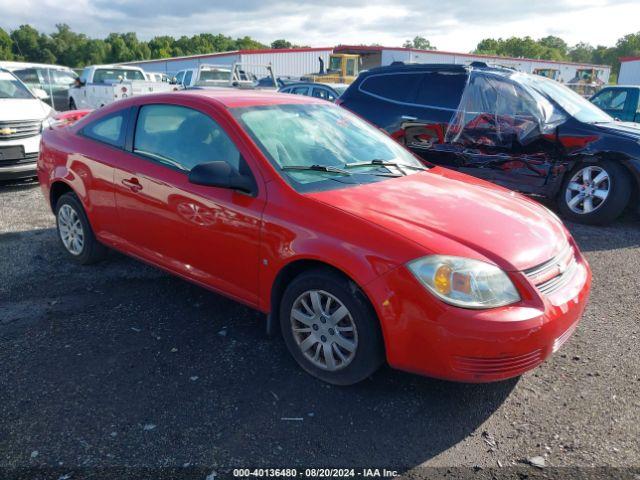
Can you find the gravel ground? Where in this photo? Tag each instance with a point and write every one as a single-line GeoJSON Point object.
{"type": "Point", "coordinates": [121, 366]}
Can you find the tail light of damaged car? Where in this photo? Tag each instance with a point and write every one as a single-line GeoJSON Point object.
{"type": "Point", "coordinates": [360, 253]}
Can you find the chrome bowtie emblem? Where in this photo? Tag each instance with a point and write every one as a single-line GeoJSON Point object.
{"type": "Point", "coordinates": [7, 131]}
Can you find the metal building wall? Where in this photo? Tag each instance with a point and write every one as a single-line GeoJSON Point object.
{"type": "Point", "coordinates": [288, 63]}
{"type": "Point", "coordinates": [173, 65]}
{"type": "Point", "coordinates": [390, 56]}
{"type": "Point", "coordinates": [629, 73]}
{"type": "Point", "coordinates": [567, 71]}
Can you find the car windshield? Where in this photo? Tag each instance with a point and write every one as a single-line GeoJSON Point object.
{"type": "Point", "coordinates": [572, 103]}
{"type": "Point", "coordinates": [321, 147]}
{"type": "Point", "coordinates": [213, 75]}
{"type": "Point", "coordinates": [10, 87]}
{"type": "Point", "coordinates": [104, 75]}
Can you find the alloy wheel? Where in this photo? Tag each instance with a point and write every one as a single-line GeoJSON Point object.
{"type": "Point", "coordinates": [324, 330]}
{"type": "Point", "coordinates": [588, 189]}
{"type": "Point", "coordinates": [70, 229]}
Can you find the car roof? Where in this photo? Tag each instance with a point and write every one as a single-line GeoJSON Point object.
{"type": "Point", "coordinates": [437, 67]}
{"type": "Point", "coordinates": [307, 84]}
{"type": "Point", "coordinates": [10, 66]}
{"type": "Point", "coordinates": [114, 67]}
{"type": "Point", "coordinates": [233, 98]}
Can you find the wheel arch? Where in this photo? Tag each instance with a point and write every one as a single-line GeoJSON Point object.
{"type": "Point", "coordinates": [633, 167]}
{"type": "Point", "coordinates": [296, 267]}
{"type": "Point", "coordinates": [57, 189]}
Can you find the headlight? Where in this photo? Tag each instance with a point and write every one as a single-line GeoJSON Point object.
{"type": "Point", "coordinates": [50, 121]}
{"type": "Point", "coordinates": [464, 282]}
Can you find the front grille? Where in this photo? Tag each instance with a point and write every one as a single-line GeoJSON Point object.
{"type": "Point", "coordinates": [20, 129]}
{"type": "Point", "coordinates": [554, 274]}
{"type": "Point", "coordinates": [497, 365]}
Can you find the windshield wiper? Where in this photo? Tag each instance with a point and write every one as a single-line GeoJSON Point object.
{"type": "Point", "coordinates": [383, 163]}
{"type": "Point", "coordinates": [316, 168]}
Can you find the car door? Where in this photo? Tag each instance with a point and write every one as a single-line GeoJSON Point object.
{"type": "Point", "coordinates": [99, 147]}
{"type": "Point", "coordinates": [62, 81]}
{"type": "Point", "coordinates": [497, 132]}
{"type": "Point", "coordinates": [426, 117]}
{"type": "Point", "coordinates": [188, 76]}
{"type": "Point", "coordinates": [78, 92]}
{"type": "Point", "coordinates": [208, 234]}
{"type": "Point", "coordinates": [617, 102]}
{"type": "Point", "coordinates": [179, 77]}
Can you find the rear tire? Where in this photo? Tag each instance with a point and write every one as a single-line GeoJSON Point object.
{"type": "Point", "coordinates": [330, 328]}
{"type": "Point", "coordinates": [595, 193]}
{"type": "Point", "coordinates": [75, 233]}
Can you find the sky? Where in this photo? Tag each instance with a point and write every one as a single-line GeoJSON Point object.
{"type": "Point", "coordinates": [456, 25]}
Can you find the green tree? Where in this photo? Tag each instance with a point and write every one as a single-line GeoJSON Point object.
{"type": "Point", "coordinates": [118, 49]}
{"type": "Point", "coordinates": [222, 43]}
{"type": "Point", "coordinates": [161, 47]}
{"type": "Point", "coordinates": [488, 46]}
{"type": "Point", "coordinates": [68, 46]}
{"type": "Point", "coordinates": [521, 47]}
{"type": "Point", "coordinates": [96, 52]}
{"type": "Point", "coordinates": [581, 53]}
{"type": "Point", "coordinates": [555, 43]}
{"type": "Point", "coordinates": [420, 43]}
{"type": "Point", "coordinates": [629, 45]}
{"type": "Point", "coordinates": [281, 43]}
{"type": "Point", "coordinates": [5, 46]}
{"type": "Point", "coordinates": [248, 43]}
{"type": "Point", "coordinates": [549, 48]}
{"type": "Point", "coordinates": [26, 43]}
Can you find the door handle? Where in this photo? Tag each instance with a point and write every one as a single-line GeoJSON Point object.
{"type": "Point", "coordinates": [132, 184]}
{"type": "Point", "coordinates": [409, 118]}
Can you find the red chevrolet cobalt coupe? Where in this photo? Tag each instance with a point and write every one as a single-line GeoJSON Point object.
{"type": "Point", "coordinates": [301, 210]}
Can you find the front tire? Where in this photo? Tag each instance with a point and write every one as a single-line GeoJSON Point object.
{"type": "Point", "coordinates": [330, 328]}
{"type": "Point", "coordinates": [595, 193]}
{"type": "Point", "coordinates": [75, 233]}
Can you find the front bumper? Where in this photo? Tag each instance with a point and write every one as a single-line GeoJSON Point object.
{"type": "Point", "coordinates": [18, 171]}
{"type": "Point", "coordinates": [14, 166]}
{"type": "Point", "coordinates": [426, 336]}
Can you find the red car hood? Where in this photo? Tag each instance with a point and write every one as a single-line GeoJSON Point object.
{"type": "Point", "coordinates": [450, 213]}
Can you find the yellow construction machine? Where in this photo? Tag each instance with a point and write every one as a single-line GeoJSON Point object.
{"type": "Point", "coordinates": [342, 68]}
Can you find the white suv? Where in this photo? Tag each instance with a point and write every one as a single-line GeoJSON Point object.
{"type": "Point", "coordinates": [21, 117]}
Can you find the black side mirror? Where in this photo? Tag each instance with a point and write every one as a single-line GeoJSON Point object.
{"type": "Point", "coordinates": [220, 174]}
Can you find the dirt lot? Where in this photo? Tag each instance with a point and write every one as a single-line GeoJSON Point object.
{"type": "Point", "coordinates": [122, 365]}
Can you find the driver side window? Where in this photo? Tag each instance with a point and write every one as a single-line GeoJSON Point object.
{"type": "Point", "coordinates": [182, 138]}
{"type": "Point", "coordinates": [495, 112]}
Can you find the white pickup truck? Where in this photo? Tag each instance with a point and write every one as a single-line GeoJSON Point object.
{"type": "Point", "coordinates": [100, 85]}
{"type": "Point", "coordinates": [237, 75]}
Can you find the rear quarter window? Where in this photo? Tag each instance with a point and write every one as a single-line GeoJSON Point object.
{"type": "Point", "coordinates": [397, 87]}
{"type": "Point", "coordinates": [441, 89]}
{"type": "Point", "coordinates": [109, 129]}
